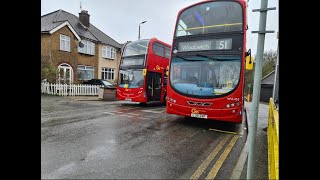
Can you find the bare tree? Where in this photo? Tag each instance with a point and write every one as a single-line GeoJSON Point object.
{"type": "Point", "coordinates": [268, 65]}
{"type": "Point", "coordinates": [269, 61]}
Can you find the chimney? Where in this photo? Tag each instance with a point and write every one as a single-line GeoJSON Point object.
{"type": "Point", "coordinates": [84, 18]}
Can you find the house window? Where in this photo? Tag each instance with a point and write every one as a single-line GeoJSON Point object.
{"type": "Point", "coordinates": [64, 74]}
{"type": "Point", "coordinates": [108, 52]}
{"type": "Point", "coordinates": [64, 43]}
{"type": "Point", "coordinates": [108, 74]}
{"type": "Point", "coordinates": [88, 47]}
{"type": "Point", "coordinates": [85, 72]}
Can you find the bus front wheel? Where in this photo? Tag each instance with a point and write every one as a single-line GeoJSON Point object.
{"type": "Point", "coordinates": [143, 104]}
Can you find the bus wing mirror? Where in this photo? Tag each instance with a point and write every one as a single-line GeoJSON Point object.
{"type": "Point", "coordinates": [144, 72]}
{"type": "Point", "coordinates": [167, 71]}
{"type": "Point", "coordinates": [249, 60]}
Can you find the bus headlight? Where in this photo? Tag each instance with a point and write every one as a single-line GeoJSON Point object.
{"type": "Point", "coordinates": [171, 99]}
{"type": "Point", "coordinates": [228, 105]}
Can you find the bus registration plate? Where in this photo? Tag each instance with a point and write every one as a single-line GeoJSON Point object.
{"type": "Point", "coordinates": [199, 115]}
{"type": "Point", "coordinates": [128, 99]}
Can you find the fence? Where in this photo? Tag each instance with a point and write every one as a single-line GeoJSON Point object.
{"type": "Point", "coordinates": [70, 89]}
{"type": "Point", "coordinates": [273, 141]}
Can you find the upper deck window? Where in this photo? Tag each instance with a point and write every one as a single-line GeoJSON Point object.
{"type": "Point", "coordinates": [211, 17]}
{"type": "Point", "coordinates": [136, 48]}
{"type": "Point", "coordinates": [158, 49]}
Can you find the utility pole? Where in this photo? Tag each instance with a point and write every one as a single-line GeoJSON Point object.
{"type": "Point", "coordinates": [257, 85]}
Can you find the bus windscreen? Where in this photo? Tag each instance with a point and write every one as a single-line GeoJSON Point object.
{"type": "Point", "coordinates": [205, 76]}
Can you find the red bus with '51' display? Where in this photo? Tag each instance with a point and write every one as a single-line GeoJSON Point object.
{"type": "Point", "coordinates": [206, 76]}
{"type": "Point", "coordinates": [142, 71]}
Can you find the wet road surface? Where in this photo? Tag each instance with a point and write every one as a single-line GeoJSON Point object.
{"type": "Point", "coordinates": [119, 140]}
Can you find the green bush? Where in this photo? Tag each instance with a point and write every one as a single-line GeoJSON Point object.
{"type": "Point", "coordinates": [48, 71]}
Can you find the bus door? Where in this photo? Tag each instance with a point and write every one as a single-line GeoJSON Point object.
{"type": "Point", "coordinates": [153, 86]}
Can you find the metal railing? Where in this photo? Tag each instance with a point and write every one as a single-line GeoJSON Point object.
{"type": "Point", "coordinates": [273, 141]}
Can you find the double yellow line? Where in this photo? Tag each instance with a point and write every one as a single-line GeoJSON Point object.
{"type": "Point", "coordinates": [215, 169]}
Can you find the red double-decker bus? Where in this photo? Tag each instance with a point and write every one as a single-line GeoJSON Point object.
{"type": "Point", "coordinates": [206, 76]}
{"type": "Point", "coordinates": [142, 71]}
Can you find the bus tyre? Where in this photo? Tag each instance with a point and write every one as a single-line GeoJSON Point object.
{"type": "Point", "coordinates": [143, 104]}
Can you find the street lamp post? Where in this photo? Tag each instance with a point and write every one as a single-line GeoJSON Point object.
{"type": "Point", "coordinates": [139, 29]}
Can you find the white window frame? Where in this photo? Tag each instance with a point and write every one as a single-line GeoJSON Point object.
{"type": "Point", "coordinates": [86, 68]}
{"type": "Point", "coordinates": [105, 73]}
{"type": "Point", "coordinates": [113, 53]}
{"type": "Point", "coordinates": [65, 41]}
{"type": "Point", "coordinates": [65, 78]}
{"type": "Point", "coordinates": [108, 52]}
{"type": "Point", "coordinates": [88, 47]}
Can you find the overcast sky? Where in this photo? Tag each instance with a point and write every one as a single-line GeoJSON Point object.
{"type": "Point", "coordinates": [120, 19]}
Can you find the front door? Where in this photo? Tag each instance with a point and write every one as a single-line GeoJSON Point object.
{"type": "Point", "coordinates": [153, 86]}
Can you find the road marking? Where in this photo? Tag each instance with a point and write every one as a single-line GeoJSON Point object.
{"type": "Point", "coordinates": [207, 161]}
{"type": "Point", "coordinates": [109, 113]}
{"type": "Point", "coordinates": [156, 108]}
{"type": "Point", "coordinates": [212, 174]}
{"type": "Point", "coordinates": [133, 108]}
{"type": "Point", "coordinates": [153, 111]}
{"type": "Point", "coordinates": [230, 132]}
{"type": "Point", "coordinates": [125, 115]}
{"type": "Point", "coordinates": [133, 114]}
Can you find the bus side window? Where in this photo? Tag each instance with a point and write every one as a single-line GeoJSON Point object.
{"type": "Point", "coordinates": [167, 52]}
{"type": "Point", "coordinates": [158, 49]}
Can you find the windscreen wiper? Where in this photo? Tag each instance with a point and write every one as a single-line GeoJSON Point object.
{"type": "Point", "coordinates": [205, 56]}
{"type": "Point", "coordinates": [216, 59]}
{"type": "Point", "coordinates": [186, 59]}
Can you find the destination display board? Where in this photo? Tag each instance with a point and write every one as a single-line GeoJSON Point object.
{"type": "Point", "coordinates": [202, 45]}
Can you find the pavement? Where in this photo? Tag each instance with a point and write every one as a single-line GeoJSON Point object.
{"type": "Point", "coordinates": [261, 168]}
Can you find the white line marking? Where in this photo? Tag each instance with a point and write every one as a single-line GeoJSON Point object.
{"type": "Point", "coordinates": [109, 113]}
{"type": "Point", "coordinates": [155, 108]}
{"type": "Point", "coordinates": [133, 114]}
{"type": "Point", "coordinates": [125, 115]}
{"type": "Point", "coordinates": [151, 111]}
{"type": "Point", "coordinates": [131, 108]}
